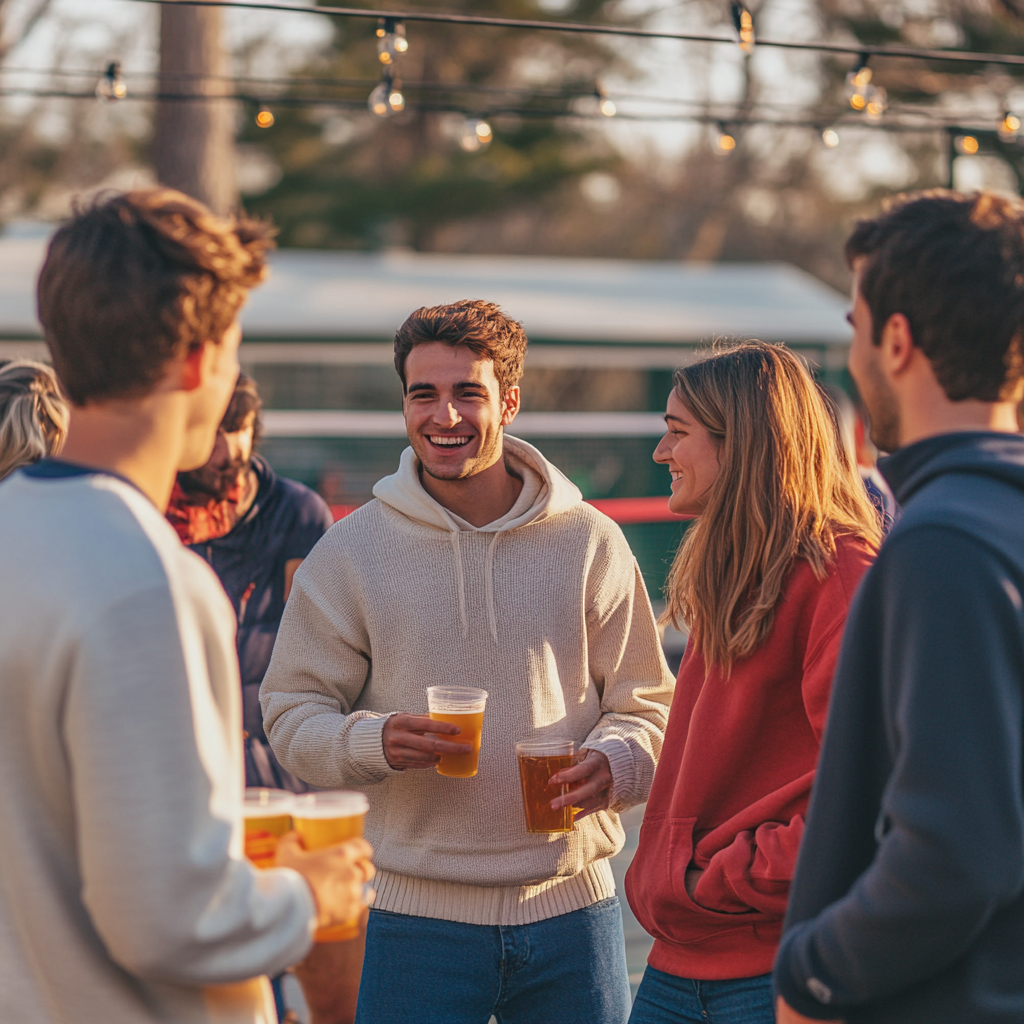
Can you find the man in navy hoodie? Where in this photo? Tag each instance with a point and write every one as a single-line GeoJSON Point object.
{"type": "Point", "coordinates": [908, 900]}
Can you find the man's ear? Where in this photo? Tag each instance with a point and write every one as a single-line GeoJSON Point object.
{"type": "Point", "coordinates": [510, 403]}
{"type": "Point", "coordinates": [897, 344]}
{"type": "Point", "coordinates": [192, 366]}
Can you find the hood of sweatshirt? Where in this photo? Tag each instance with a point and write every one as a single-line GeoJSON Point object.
{"type": "Point", "coordinates": [405, 493]}
{"type": "Point", "coordinates": [986, 453]}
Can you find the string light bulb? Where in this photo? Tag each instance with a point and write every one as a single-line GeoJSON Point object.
{"type": "Point", "coordinates": [858, 82]}
{"type": "Point", "coordinates": [726, 140]}
{"type": "Point", "coordinates": [391, 40]}
{"type": "Point", "coordinates": [967, 145]}
{"type": "Point", "coordinates": [877, 103]}
{"type": "Point", "coordinates": [830, 137]}
{"type": "Point", "coordinates": [265, 117]}
{"type": "Point", "coordinates": [605, 105]}
{"type": "Point", "coordinates": [386, 98]}
{"type": "Point", "coordinates": [1009, 127]}
{"type": "Point", "coordinates": [476, 135]}
{"type": "Point", "coordinates": [743, 24]}
{"type": "Point", "coordinates": [111, 87]}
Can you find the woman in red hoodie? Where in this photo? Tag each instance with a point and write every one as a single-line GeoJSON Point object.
{"type": "Point", "coordinates": [784, 531]}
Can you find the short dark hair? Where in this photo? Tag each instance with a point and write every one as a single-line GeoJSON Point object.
{"type": "Point", "coordinates": [134, 279]}
{"type": "Point", "coordinates": [244, 401]}
{"type": "Point", "coordinates": [481, 326]}
{"type": "Point", "coordinates": [953, 265]}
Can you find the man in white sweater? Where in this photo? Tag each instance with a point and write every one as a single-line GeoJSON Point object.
{"type": "Point", "coordinates": [477, 564]}
{"type": "Point", "coordinates": [124, 895]}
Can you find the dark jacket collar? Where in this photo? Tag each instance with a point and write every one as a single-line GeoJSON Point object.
{"type": "Point", "coordinates": [984, 452]}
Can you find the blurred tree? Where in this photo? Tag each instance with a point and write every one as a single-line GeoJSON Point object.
{"type": "Point", "coordinates": [353, 180]}
{"type": "Point", "coordinates": [193, 140]}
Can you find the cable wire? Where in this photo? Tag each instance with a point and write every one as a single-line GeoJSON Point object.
{"type": "Point", "coordinates": [910, 52]}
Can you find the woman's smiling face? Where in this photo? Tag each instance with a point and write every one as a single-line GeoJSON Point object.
{"type": "Point", "coordinates": [691, 455]}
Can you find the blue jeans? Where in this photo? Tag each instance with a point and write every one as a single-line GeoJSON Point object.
{"type": "Point", "coordinates": [665, 999]}
{"type": "Point", "coordinates": [570, 969]}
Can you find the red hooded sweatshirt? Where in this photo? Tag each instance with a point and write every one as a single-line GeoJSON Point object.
{"type": "Point", "coordinates": [732, 787]}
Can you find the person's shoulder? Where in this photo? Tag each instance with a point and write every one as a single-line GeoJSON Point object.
{"type": "Point", "coordinates": [854, 556]}
{"type": "Point", "coordinates": [302, 501]}
{"type": "Point", "coordinates": [95, 539]}
{"type": "Point", "coordinates": [358, 529]}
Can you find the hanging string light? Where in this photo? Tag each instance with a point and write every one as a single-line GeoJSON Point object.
{"type": "Point", "coordinates": [604, 104]}
{"type": "Point", "coordinates": [476, 135]}
{"type": "Point", "coordinates": [858, 81]}
{"type": "Point", "coordinates": [966, 145]}
{"type": "Point", "coordinates": [391, 40]}
{"type": "Point", "coordinates": [830, 137]}
{"type": "Point", "coordinates": [386, 98]}
{"type": "Point", "coordinates": [726, 140]}
{"type": "Point", "coordinates": [111, 87]}
{"type": "Point", "coordinates": [1009, 127]}
{"type": "Point", "coordinates": [264, 117]}
{"type": "Point", "coordinates": [743, 25]}
{"type": "Point", "coordinates": [877, 103]}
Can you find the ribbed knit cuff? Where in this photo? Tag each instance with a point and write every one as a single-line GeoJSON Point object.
{"type": "Point", "coordinates": [366, 745]}
{"type": "Point", "coordinates": [620, 760]}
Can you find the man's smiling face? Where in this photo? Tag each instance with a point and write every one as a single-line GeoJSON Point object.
{"type": "Point", "coordinates": [454, 410]}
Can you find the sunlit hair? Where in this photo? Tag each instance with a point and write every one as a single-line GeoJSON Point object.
{"type": "Point", "coordinates": [33, 414]}
{"type": "Point", "coordinates": [786, 488]}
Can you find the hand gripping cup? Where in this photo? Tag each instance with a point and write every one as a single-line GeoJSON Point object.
{"type": "Point", "coordinates": [462, 706]}
{"type": "Point", "coordinates": [268, 815]}
{"type": "Point", "coordinates": [324, 819]}
{"type": "Point", "coordinates": [538, 761]}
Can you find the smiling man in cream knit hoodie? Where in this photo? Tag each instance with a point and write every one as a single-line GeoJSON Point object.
{"type": "Point", "coordinates": [477, 564]}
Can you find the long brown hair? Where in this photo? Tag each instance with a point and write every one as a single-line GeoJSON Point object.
{"type": "Point", "coordinates": [786, 488]}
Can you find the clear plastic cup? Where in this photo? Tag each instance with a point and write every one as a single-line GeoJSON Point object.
{"type": "Point", "coordinates": [268, 815]}
{"type": "Point", "coordinates": [462, 706]}
{"type": "Point", "coordinates": [538, 761]}
{"type": "Point", "coordinates": [324, 819]}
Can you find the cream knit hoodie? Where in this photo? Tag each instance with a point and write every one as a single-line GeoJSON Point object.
{"type": "Point", "coordinates": [547, 611]}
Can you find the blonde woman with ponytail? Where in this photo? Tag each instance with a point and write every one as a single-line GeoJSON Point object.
{"type": "Point", "coordinates": [33, 414]}
{"type": "Point", "coordinates": [763, 580]}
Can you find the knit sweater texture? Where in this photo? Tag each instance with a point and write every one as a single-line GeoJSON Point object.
{"type": "Point", "coordinates": [547, 611]}
{"type": "Point", "coordinates": [124, 895]}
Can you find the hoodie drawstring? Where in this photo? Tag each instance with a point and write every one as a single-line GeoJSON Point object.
{"type": "Point", "coordinates": [492, 617]}
{"type": "Point", "coordinates": [462, 581]}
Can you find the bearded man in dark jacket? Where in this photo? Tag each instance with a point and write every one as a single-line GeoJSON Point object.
{"type": "Point", "coordinates": [908, 900]}
{"type": "Point", "coordinates": [254, 528]}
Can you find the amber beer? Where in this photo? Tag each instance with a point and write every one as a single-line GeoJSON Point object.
{"type": "Point", "coordinates": [462, 706]}
{"type": "Point", "coordinates": [268, 815]}
{"type": "Point", "coordinates": [325, 819]}
{"type": "Point", "coordinates": [538, 761]}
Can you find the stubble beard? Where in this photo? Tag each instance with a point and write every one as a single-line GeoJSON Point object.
{"type": "Point", "coordinates": [488, 454]}
{"type": "Point", "coordinates": [214, 483]}
{"type": "Point", "coordinates": [882, 408]}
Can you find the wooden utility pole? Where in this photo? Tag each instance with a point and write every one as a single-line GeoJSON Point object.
{"type": "Point", "coordinates": [193, 143]}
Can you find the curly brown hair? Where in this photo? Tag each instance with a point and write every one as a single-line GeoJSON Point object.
{"type": "Point", "coordinates": [134, 279]}
{"type": "Point", "coordinates": [481, 326]}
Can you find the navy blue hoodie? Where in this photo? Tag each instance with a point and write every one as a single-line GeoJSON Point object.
{"type": "Point", "coordinates": [908, 900]}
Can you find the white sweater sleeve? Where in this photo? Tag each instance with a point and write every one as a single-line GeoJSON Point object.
{"type": "Point", "coordinates": [156, 781]}
{"type": "Point", "coordinates": [628, 667]}
{"type": "Point", "coordinates": [318, 670]}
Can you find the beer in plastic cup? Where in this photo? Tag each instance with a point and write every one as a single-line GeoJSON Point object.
{"type": "Point", "coordinates": [538, 761]}
{"type": "Point", "coordinates": [268, 815]}
{"type": "Point", "coordinates": [462, 706]}
{"type": "Point", "coordinates": [324, 819]}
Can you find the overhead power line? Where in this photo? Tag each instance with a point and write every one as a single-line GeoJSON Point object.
{"type": "Point", "coordinates": [438, 17]}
